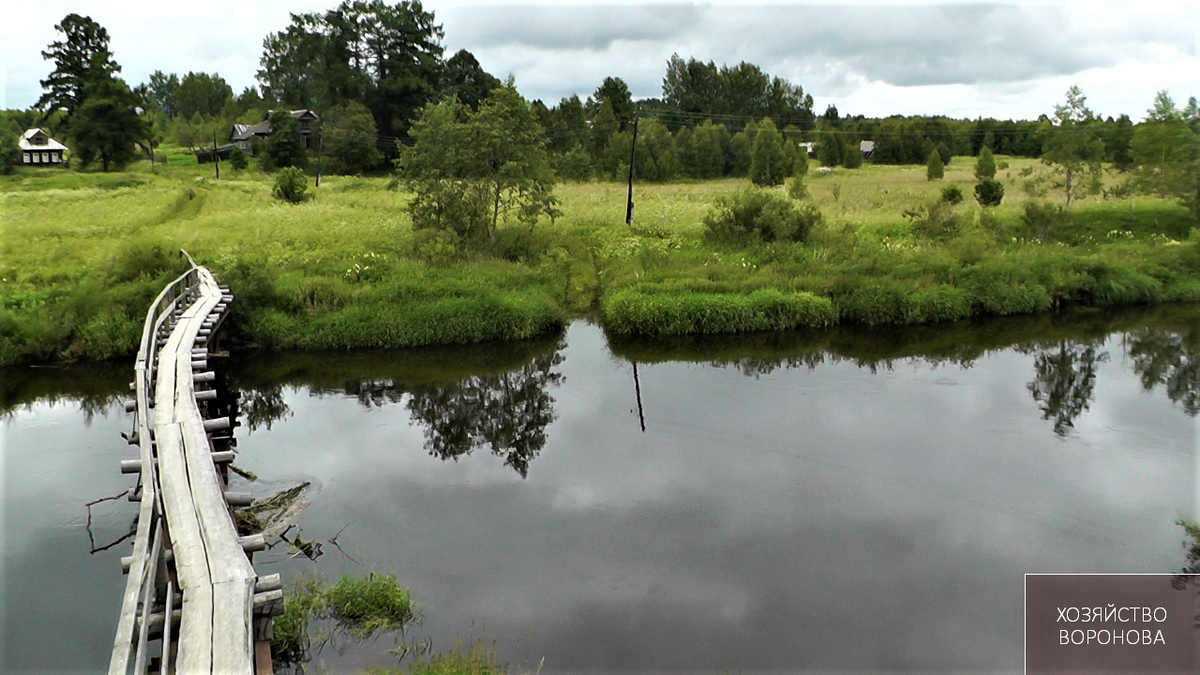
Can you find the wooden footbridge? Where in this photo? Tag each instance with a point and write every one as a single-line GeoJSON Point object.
{"type": "Point", "coordinates": [193, 603]}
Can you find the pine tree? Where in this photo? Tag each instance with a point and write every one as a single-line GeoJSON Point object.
{"type": "Point", "coordinates": [985, 166]}
{"type": "Point", "coordinates": [768, 162]}
{"type": "Point", "coordinates": [934, 169]}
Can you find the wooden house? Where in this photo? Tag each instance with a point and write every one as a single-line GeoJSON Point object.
{"type": "Point", "coordinates": [38, 148]}
{"type": "Point", "coordinates": [243, 135]}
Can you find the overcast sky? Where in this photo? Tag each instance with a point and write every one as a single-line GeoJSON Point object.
{"type": "Point", "coordinates": [1005, 60]}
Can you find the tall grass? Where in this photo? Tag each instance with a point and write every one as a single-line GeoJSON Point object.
{"type": "Point", "coordinates": [81, 255]}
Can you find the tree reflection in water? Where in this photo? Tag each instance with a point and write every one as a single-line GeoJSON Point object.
{"type": "Point", "coordinates": [1064, 381]}
{"type": "Point", "coordinates": [1161, 357]}
{"type": "Point", "coordinates": [507, 412]}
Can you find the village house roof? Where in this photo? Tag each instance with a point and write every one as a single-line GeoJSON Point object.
{"type": "Point", "coordinates": [246, 132]}
{"type": "Point", "coordinates": [29, 138]}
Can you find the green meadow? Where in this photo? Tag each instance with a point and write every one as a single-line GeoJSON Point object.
{"type": "Point", "coordinates": [83, 254]}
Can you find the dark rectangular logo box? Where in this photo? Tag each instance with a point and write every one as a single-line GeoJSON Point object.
{"type": "Point", "coordinates": [1109, 624]}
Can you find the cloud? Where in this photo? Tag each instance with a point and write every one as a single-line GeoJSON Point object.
{"type": "Point", "coordinates": [575, 28]}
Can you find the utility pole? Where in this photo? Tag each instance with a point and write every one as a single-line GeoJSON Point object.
{"type": "Point", "coordinates": [632, 155]}
{"type": "Point", "coordinates": [216, 159]}
{"type": "Point", "coordinates": [320, 149]}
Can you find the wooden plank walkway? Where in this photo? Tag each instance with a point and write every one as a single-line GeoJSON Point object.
{"type": "Point", "coordinates": [185, 537]}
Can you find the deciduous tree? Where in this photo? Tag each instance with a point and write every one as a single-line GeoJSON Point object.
{"type": "Point", "coordinates": [468, 170]}
{"type": "Point", "coordinates": [1072, 145]}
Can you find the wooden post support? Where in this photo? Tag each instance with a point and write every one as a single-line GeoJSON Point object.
{"type": "Point", "coordinates": [239, 498]}
{"type": "Point", "coordinates": [131, 466]}
{"type": "Point", "coordinates": [218, 424]}
{"type": "Point", "coordinates": [207, 376]}
{"type": "Point", "coordinates": [222, 457]}
{"type": "Point", "coordinates": [268, 582]}
{"type": "Point", "coordinates": [206, 395]}
{"type": "Point", "coordinates": [254, 542]}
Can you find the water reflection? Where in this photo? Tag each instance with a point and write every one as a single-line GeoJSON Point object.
{"type": "Point", "coordinates": [1064, 381]}
{"type": "Point", "coordinates": [508, 413]}
{"type": "Point", "coordinates": [505, 409]}
{"type": "Point", "coordinates": [1161, 357]}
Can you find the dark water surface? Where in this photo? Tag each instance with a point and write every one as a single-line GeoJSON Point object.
{"type": "Point", "coordinates": [849, 501]}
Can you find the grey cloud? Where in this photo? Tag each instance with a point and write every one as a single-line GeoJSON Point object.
{"type": "Point", "coordinates": [943, 44]}
{"type": "Point", "coordinates": [570, 27]}
{"type": "Point", "coordinates": [833, 46]}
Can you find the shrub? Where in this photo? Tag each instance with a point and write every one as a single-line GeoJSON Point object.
{"type": "Point", "coordinates": [935, 220]}
{"type": "Point", "coordinates": [291, 185]}
{"type": "Point", "coordinates": [852, 158]}
{"type": "Point", "coordinates": [934, 169]}
{"type": "Point", "coordinates": [796, 189]}
{"type": "Point", "coordinates": [1043, 220]}
{"type": "Point", "coordinates": [989, 192]}
{"type": "Point", "coordinates": [758, 215]}
{"type": "Point", "coordinates": [800, 166]}
{"type": "Point", "coordinates": [238, 160]}
{"type": "Point", "coordinates": [438, 247]}
{"type": "Point", "coordinates": [985, 166]}
{"type": "Point", "coordinates": [574, 165]}
{"type": "Point", "coordinates": [952, 194]}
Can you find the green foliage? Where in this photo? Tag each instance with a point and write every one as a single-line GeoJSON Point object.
{"type": "Point", "coordinates": [745, 90]}
{"type": "Point", "coordinates": [285, 145]}
{"type": "Point", "coordinates": [935, 220]}
{"type": "Point", "coordinates": [768, 162]}
{"type": "Point", "coordinates": [107, 126]}
{"type": "Point", "coordinates": [952, 194]}
{"type": "Point", "coordinates": [468, 170]}
{"type": "Point", "coordinates": [1167, 152]}
{"type": "Point", "coordinates": [1072, 144]}
{"type": "Point", "coordinates": [387, 56]}
{"type": "Point", "coordinates": [934, 169]}
{"type": "Point", "coordinates": [796, 189]}
{"type": "Point", "coordinates": [349, 138]}
{"type": "Point", "coordinates": [800, 168]}
{"type": "Point", "coordinates": [238, 160]}
{"type": "Point", "coordinates": [852, 157]}
{"type": "Point", "coordinates": [360, 608]}
{"type": "Point", "coordinates": [831, 149]}
{"type": "Point", "coordinates": [81, 60]}
{"type": "Point", "coordinates": [438, 247]}
{"type": "Point", "coordinates": [367, 606]}
{"type": "Point", "coordinates": [10, 151]}
{"type": "Point", "coordinates": [634, 312]}
{"type": "Point", "coordinates": [1043, 221]}
{"type": "Point", "coordinates": [573, 165]}
{"type": "Point", "coordinates": [291, 185]}
{"type": "Point", "coordinates": [989, 192]}
{"type": "Point", "coordinates": [985, 166]}
{"type": "Point", "coordinates": [757, 215]}
{"type": "Point", "coordinates": [202, 94]}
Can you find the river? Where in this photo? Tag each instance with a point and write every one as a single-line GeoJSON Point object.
{"type": "Point", "coordinates": [851, 501]}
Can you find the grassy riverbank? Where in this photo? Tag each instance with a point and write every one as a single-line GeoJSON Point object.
{"type": "Point", "coordinates": [82, 255]}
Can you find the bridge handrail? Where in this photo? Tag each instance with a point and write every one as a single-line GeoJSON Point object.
{"type": "Point", "coordinates": [144, 562]}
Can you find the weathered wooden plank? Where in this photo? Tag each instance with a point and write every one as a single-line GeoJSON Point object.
{"type": "Point", "coordinates": [233, 645]}
{"type": "Point", "coordinates": [195, 654]}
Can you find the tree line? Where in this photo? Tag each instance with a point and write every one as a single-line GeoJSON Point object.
{"type": "Point", "coordinates": [372, 70]}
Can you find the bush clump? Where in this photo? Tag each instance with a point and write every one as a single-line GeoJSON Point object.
{"type": "Point", "coordinates": [989, 192]}
{"type": "Point", "coordinates": [952, 194]}
{"type": "Point", "coordinates": [935, 220]}
{"type": "Point", "coordinates": [755, 214]}
{"type": "Point", "coordinates": [1043, 221]}
{"type": "Point", "coordinates": [291, 185]}
{"type": "Point", "coordinates": [238, 160]}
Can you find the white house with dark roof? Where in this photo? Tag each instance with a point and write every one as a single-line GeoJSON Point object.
{"type": "Point", "coordinates": [242, 135]}
{"type": "Point", "coordinates": [38, 148]}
